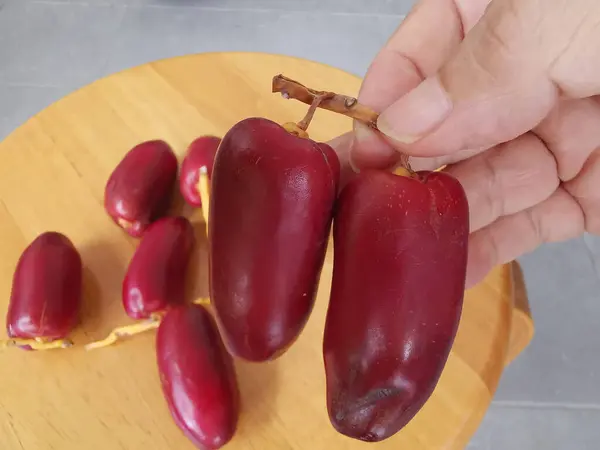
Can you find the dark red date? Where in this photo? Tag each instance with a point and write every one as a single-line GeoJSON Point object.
{"type": "Point", "coordinates": [197, 376]}
{"type": "Point", "coordinates": [46, 292]}
{"type": "Point", "coordinates": [200, 153]}
{"type": "Point", "coordinates": [272, 196]}
{"type": "Point", "coordinates": [139, 189]}
{"type": "Point", "coordinates": [156, 275]}
{"type": "Point", "coordinates": [400, 256]}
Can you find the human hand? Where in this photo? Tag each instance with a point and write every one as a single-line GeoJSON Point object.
{"type": "Point", "coordinates": [512, 108]}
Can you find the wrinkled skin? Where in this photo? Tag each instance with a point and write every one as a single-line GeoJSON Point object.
{"type": "Point", "coordinates": [272, 195]}
{"type": "Point", "coordinates": [197, 376]}
{"type": "Point", "coordinates": [47, 289]}
{"type": "Point", "coordinates": [155, 278]}
{"type": "Point", "coordinates": [140, 187]}
{"type": "Point", "coordinates": [201, 152]}
{"type": "Point", "coordinates": [400, 255]}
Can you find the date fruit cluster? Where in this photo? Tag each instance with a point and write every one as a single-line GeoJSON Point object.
{"type": "Point", "coordinates": [271, 197]}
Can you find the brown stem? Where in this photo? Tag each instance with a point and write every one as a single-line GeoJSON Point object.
{"type": "Point", "coordinates": [338, 103]}
{"type": "Point", "coordinates": [317, 100]}
{"type": "Point", "coordinates": [299, 129]}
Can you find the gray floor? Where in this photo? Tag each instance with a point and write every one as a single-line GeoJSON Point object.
{"type": "Point", "coordinates": [548, 399]}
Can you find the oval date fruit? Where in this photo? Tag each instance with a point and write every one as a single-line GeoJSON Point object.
{"type": "Point", "coordinates": [139, 189]}
{"type": "Point", "coordinates": [155, 278]}
{"type": "Point", "coordinates": [200, 153]}
{"type": "Point", "coordinates": [400, 256]}
{"type": "Point", "coordinates": [272, 195]}
{"type": "Point", "coordinates": [197, 376]}
{"type": "Point", "coordinates": [46, 293]}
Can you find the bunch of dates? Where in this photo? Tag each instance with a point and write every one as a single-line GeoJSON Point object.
{"type": "Point", "coordinates": [271, 198]}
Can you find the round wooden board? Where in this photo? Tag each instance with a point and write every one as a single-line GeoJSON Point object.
{"type": "Point", "coordinates": [52, 175]}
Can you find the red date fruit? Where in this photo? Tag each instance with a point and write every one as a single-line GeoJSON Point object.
{"type": "Point", "coordinates": [400, 256]}
{"type": "Point", "coordinates": [272, 195]}
{"type": "Point", "coordinates": [140, 187]}
{"type": "Point", "coordinates": [155, 278]}
{"type": "Point", "coordinates": [46, 293]}
{"type": "Point", "coordinates": [200, 153]}
{"type": "Point", "coordinates": [197, 376]}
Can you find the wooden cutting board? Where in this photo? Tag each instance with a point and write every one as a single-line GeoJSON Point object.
{"type": "Point", "coordinates": [52, 174]}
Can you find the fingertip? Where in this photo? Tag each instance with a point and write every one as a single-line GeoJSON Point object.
{"type": "Point", "coordinates": [417, 113]}
{"type": "Point", "coordinates": [370, 151]}
{"type": "Point", "coordinates": [342, 146]}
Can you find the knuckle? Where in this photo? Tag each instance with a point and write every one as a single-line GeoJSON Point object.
{"type": "Point", "coordinates": [496, 202]}
{"type": "Point", "coordinates": [493, 43]}
{"type": "Point", "coordinates": [559, 218]}
{"type": "Point", "coordinates": [542, 165]}
{"type": "Point", "coordinates": [536, 227]}
{"type": "Point", "coordinates": [571, 133]}
{"type": "Point", "coordinates": [527, 173]}
{"type": "Point", "coordinates": [584, 190]}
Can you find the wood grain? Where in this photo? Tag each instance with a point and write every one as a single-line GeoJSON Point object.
{"type": "Point", "coordinates": [52, 174]}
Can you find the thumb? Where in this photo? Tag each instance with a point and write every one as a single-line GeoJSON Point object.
{"type": "Point", "coordinates": [503, 79]}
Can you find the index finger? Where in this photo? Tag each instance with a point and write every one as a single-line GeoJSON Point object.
{"type": "Point", "coordinates": [418, 48]}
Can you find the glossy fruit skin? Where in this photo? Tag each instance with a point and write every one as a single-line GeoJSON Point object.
{"type": "Point", "coordinates": [272, 196]}
{"type": "Point", "coordinates": [155, 278]}
{"type": "Point", "coordinates": [197, 376]}
{"type": "Point", "coordinates": [201, 152]}
{"type": "Point", "coordinates": [46, 293]}
{"type": "Point", "coordinates": [400, 256]}
{"type": "Point", "coordinates": [139, 189]}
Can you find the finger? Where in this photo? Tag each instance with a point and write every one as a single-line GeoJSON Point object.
{"type": "Point", "coordinates": [421, 44]}
{"type": "Point", "coordinates": [439, 161]}
{"type": "Point", "coordinates": [370, 150]}
{"type": "Point", "coordinates": [558, 218]}
{"type": "Point", "coordinates": [506, 179]}
{"type": "Point", "coordinates": [585, 188]}
{"type": "Point", "coordinates": [571, 132]}
{"type": "Point", "coordinates": [341, 145]}
{"type": "Point", "coordinates": [502, 81]}
{"type": "Point", "coordinates": [418, 48]}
